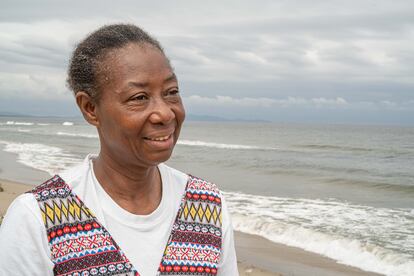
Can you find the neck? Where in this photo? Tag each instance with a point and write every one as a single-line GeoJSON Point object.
{"type": "Point", "coordinates": [136, 190]}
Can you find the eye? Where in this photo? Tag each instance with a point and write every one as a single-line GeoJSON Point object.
{"type": "Point", "coordinates": [172, 92]}
{"type": "Point", "coordinates": [139, 97]}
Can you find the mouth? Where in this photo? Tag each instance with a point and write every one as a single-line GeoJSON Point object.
{"type": "Point", "coordinates": [160, 142]}
{"type": "Point", "coordinates": [158, 138]}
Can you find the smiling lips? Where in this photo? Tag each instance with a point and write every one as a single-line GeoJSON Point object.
{"type": "Point", "coordinates": [159, 138]}
{"type": "Point", "coordinates": [160, 142]}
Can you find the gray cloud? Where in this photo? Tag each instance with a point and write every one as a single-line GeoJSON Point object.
{"type": "Point", "coordinates": [298, 102]}
{"type": "Point", "coordinates": [249, 52]}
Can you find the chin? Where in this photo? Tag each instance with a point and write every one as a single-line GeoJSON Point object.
{"type": "Point", "coordinates": [160, 158]}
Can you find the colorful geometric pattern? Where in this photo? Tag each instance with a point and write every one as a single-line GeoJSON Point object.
{"type": "Point", "coordinates": [79, 244]}
{"type": "Point", "coordinates": [194, 246]}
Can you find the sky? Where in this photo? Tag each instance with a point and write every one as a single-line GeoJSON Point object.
{"type": "Point", "coordinates": [286, 61]}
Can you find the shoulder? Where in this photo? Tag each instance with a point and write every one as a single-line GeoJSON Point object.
{"type": "Point", "coordinates": [50, 188]}
{"type": "Point", "coordinates": [23, 206]}
{"type": "Point", "coordinates": [26, 206]}
{"type": "Point", "coordinates": [23, 239]}
{"type": "Point", "coordinates": [199, 184]}
{"type": "Point", "coordinates": [22, 216]}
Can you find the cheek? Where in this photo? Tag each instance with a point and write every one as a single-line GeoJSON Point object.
{"type": "Point", "coordinates": [118, 127]}
{"type": "Point", "coordinates": [180, 117]}
{"type": "Point", "coordinates": [180, 113]}
{"type": "Point", "coordinates": [130, 127]}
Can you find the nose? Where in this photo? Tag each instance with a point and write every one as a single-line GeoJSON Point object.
{"type": "Point", "coordinates": [161, 112]}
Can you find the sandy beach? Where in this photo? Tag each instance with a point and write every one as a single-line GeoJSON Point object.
{"type": "Point", "coordinates": [256, 255]}
{"type": "Point", "coordinates": [270, 258]}
{"type": "Point", "coordinates": [9, 190]}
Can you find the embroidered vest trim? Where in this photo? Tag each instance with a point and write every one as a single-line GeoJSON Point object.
{"type": "Point", "coordinates": [80, 244]}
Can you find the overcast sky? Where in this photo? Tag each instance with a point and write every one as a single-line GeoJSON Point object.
{"type": "Point", "coordinates": [305, 61]}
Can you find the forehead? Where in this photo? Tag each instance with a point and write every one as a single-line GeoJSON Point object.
{"type": "Point", "coordinates": [134, 62]}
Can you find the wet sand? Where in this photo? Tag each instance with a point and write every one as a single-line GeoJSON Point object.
{"type": "Point", "coordinates": [286, 260]}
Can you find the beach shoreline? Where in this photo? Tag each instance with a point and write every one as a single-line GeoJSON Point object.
{"type": "Point", "coordinates": [16, 172]}
{"type": "Point", "coordinates": [256, 255]}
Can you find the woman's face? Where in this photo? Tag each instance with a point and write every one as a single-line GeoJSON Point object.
{"type": "Point", "coordinates": [139, 112]}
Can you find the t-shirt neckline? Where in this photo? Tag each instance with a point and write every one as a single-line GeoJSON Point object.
{"type": "Point", "coordinates": [111, 208]}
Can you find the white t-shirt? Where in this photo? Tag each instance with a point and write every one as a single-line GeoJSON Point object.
{"type": "Point", "coordinates": [24, 248]}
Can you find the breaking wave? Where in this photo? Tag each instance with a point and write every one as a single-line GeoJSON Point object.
{"type": "Point", "coordinates": [220, 145]}
{"type": "Point", "coordinates": [42, 157]}
{"type": "Point", "coordinates": [383, 243]}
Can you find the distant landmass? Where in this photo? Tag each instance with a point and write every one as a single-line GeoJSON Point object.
{"type": "Point", "coordinates": [208, 118]}
{"type": "Point", "coordinates": [12, 114]}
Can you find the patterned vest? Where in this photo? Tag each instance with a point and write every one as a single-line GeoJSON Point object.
{"type": "Point", "coordinates": [80, 245]}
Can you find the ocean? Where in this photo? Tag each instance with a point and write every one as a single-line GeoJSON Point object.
{"type": "Point", "coordinates": [343, 191]}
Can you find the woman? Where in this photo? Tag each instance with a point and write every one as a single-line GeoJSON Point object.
{"type": "Point", "coordinates": [122, 212]}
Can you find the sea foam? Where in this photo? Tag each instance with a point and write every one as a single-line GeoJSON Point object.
{"type": "Point", "coordinates": [85, 135]}
{"type": "Point", "coordinates": [23, 130]}
{"type": "Point", "coordinates": [220, 145]}
{"type": "Point", "coordinates": [42, 157]}
{"type": "Point", "coordinates": [373, 239]}
{"type": "Point", "coordinates": [19, 123]}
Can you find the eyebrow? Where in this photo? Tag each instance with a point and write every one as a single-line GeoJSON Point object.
{"type": "Point", "coordinates": [172, 77]}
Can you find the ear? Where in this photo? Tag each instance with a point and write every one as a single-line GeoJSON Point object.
{"type": "Point", "coordinates": [88, 107]}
